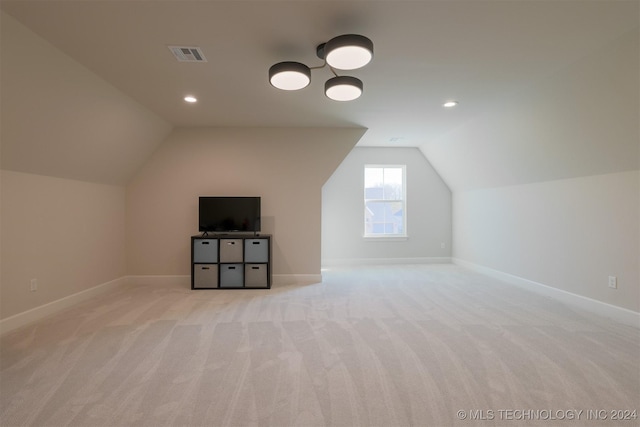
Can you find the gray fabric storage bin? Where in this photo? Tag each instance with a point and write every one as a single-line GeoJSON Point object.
{"type": "Point", "coordinates": [255, 275]}
{"type": "Point", "coordinates": [230, 250]}
{"type": "Point", "coordinates": [256, 250]}
{"type": "Point", "coordinates": [231, 276]}
{"type": "Point", "coordinates": [205, 250]}
{"type": "Point", "coordinates": [205, 275]}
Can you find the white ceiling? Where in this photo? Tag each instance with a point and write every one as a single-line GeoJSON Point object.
{"type": "Point", "coordinates": [426, 52]}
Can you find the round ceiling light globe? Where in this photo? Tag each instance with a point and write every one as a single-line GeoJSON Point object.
{"type": "Point", "coordinates": [343, 88]}
{"type": "Point", "coordinates": [348, 52]}
{"type": "Point", "coordinates": [289, 75]}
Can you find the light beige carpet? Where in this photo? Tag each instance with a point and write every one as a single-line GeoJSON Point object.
{"type": "Point", "coordinates": [421, 345]}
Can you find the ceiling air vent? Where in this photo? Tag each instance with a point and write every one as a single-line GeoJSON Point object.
{"type": "Point", "coordinates": [187, 53]}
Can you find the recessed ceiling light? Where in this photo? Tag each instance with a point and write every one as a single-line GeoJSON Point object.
{"type": "Point", "coordinates": [190, 99]}
{"type": "Point", "coordinates": [450, 104]}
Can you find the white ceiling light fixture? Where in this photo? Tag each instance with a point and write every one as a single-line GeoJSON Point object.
{"type": "Point", "coordinates": [346, 52]}
{"type": "Point", "coordinates": [343, 88]}
{"type": "Point", "coordinates": [190, 99]}
{"type": "Point", "coordinates": [289, 75]}
{"type": "Point", "coordinates": [450, 104]}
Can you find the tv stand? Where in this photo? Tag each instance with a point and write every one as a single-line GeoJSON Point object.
{"type": "Point", "coordinates": [231, 261]}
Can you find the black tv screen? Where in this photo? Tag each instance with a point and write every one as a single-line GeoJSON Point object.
{"type": "Point", "coordinates": [224, 214]}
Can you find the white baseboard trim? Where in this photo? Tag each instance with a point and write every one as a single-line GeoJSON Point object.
{"type": "Point", "coordinates": [619, 314]}
{"type": "Point", "coordinates": [26, 317]}
{"type": "Point", "coordinates": [185, 281]}
{"type": "Point", "coordinates": [170, 280]}
{"type": "Point", "coordinates": [45, 310]}
{"type": "Point", "coordinates": [295, 279]}
{"type": "Point", "coordinates": [346, 262]}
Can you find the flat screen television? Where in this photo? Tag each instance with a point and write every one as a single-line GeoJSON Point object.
{"type": "Point", "coordinates": [227, 214]}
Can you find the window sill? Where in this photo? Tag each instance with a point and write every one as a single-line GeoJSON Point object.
{"type": "Point", "coordinates": [383, 238]}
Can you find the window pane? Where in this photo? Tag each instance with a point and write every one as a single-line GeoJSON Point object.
{"type": "Point", "coordinates": [392, 183]}
{"type": "Point", "coordinates": [373, 177]}
{"type": "Point", "coordinates": [373, 183]}
{"type": "Point", "coordinates": [384, 217]}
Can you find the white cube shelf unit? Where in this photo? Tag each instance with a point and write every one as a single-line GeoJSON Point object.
{"type": "Point", "coordinates": [230, 261]}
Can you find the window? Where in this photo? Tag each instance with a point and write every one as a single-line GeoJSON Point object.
{"type": "Point", "coordinates": [385, 213]}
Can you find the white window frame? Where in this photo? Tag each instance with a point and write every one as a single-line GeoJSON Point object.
{"type": "Point", "coordinates": [386, 237]}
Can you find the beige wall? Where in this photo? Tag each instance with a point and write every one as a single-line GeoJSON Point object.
{"type": "Point", "coordinates": [286, 167]}
{"type": "Point", "coordinates": [69, 235]}
{"type": "Point", "coordinates": [546, 188]}
{"type": "Point", "coordinates": [428, 211]}
{"type": "Point", "coordinates": [569, 234]}
{"type": "Point", "coordinates": [61, 120]}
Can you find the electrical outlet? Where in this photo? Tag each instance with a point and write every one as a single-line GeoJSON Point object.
{"type": "Point", "coordinates": [613, 282]}
{"type": "Point", "coordinates": [34, 285]}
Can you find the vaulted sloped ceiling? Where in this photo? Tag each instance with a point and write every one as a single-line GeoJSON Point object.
{"type": "Point", "coordinates": [581, 120]}
{"type": "Point", "coordinates": [546, 88]}
{"type": "Point", "coordinates": [60, 119]}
